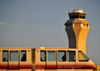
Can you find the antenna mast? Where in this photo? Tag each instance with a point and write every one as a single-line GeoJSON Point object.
{"type": "Point", "coordinates": [85, 8]}
{"type": "Point", "coordinates": [68, 9]}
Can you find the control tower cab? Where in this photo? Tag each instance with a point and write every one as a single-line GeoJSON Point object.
{"type": "Point", "coordinates": [77, 28]}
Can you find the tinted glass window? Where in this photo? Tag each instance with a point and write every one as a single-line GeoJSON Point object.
{"type": "Point", "coordinates": [71, 56]}
{"type": "Point", "coordinates": [82, 56]}
{"type": "Point", "coordinates": [51, 56]}
{"type": "Point", "coordinates": [69, 25]}
{"type": "Point", "coordinates": [43, 56]}
{"type": "Point", "coordinates": [5, 56]}
{"type": "Point", "coordinates": [61, 55]}
{"type": "Point", "coordinates": [23, 55]}
{"type": "Point", "coordinates": [13, 55]}
{"type": "Point", "coordinates": [76, 16]}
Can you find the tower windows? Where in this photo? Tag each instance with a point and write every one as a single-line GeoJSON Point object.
{"type": "Point", "coordinates": [72, 17]}
{"type": "Point", "coordinates": [69, 25]}
{"type": "Point", "coordinates": [85, 25]}
{"type": "Point", "coordinates": [79, 25]}
{"type": "Point", "coordinates": [83, 17]}
{"type": "Point", "coordinates": [77, 16]}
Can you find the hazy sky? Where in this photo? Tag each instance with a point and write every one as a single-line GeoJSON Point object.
{"type": "Point", "coordinates": [36, 23]}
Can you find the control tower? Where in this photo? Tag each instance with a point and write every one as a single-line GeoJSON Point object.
{"type": "Point", "coordinates": [77, 28]}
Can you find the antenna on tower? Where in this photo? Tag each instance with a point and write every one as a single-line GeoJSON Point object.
{"type": "Point", "coordinates": [75, 7]}
{"type": "Point", "coordinates": [68, 9]}
{"type": "Point", "coordinates": [79, 7]}
{"type": "Point", "coordinates": [85, 8]}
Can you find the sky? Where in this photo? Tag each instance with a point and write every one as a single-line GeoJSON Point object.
{"type": "Point", "coordinates": [40, 23]}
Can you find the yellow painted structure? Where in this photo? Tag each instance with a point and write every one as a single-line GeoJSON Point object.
{"type": "Point", "coordinates": [77, 28]}
{"type": "Point", "coordinates": [98, 68]}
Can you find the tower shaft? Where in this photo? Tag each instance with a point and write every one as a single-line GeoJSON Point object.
{"type": "Point", "coordinates": [77, 28]}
